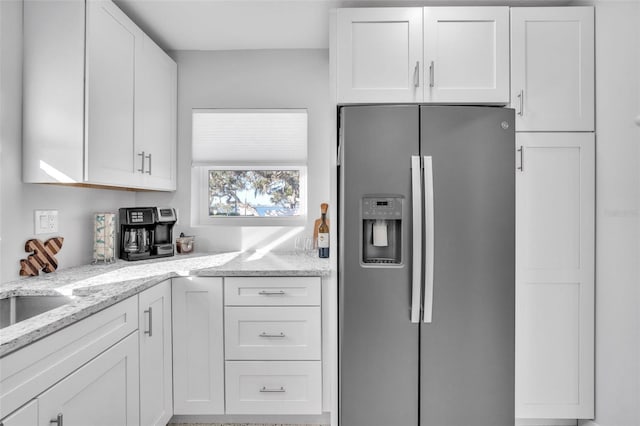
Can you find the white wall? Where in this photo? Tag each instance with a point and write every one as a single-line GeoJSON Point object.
{"type": "Point", "coordinates": [250, 79]}
{"type": "Point", "coordinates": [617, 213]}
{"type": "Point", "coordinates": [75, 205]}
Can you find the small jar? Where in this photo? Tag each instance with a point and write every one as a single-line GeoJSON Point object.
{"type": "Point", "coordinates": [184, 244]}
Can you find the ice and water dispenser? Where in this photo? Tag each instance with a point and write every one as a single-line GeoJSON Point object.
{"type": "Point", "coordinates": [381, 230]}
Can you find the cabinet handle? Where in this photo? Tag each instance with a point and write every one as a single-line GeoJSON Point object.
{"type": "Point", "coordinates": [142, 156]}
{"type": "Point", "coordinates": [263, 334]}
{"type": "Point", "coordinates": [416, 75]}
{"type": "Point", "coordinates": [521, 151]}
{"type": "Point", "coordinates": [149, 158]}
{"type": "Point", "coordinates": [271, 293]}
{"type": "Point", "coordinates": [279, 390]}
{"type": "Point", "coordinates": [520, 97]}
{"type": "Point", "coordinates": [432, 72]}
{"type": "Point", "coordinates": [57, 421]}
{"type": "Point", "coordinates": [150, 312]}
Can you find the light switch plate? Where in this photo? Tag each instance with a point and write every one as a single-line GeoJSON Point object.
{"type": "Point", "coordinates": [45, 221]}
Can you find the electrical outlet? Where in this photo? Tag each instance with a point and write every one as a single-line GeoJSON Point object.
{"type": "Point", "coordinates": [45, 221]}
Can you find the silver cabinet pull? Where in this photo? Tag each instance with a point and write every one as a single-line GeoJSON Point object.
{"type": "Point", "coordinates": [263, 334]}
{"type": "Point", "coordinates": [57, 421]}
{"type": "Point", "coordinates": [432, 72]}
{"type": "Point", "coordinates": [416, 75]}
{"type": "Point", "coordinates": [150, 330]}
{"type": "Point", "coordinates": [267, 390]}
{"type": "Point", "coordinates": [149, 158]}
{"type": "Point", "coordinates": [520, 97]}
{"type": "Point", "coordinates": [521, 151]}
{"type": "Point", "coordinates": [271, 293]}
{"type": "Point", "coordinates": [142, 156]}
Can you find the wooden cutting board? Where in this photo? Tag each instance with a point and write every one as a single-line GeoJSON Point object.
{"type": "Point", "coordinates": [43, 257]}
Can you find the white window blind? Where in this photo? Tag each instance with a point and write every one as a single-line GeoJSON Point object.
{"type": "Point", "coordinates": [249, 136]}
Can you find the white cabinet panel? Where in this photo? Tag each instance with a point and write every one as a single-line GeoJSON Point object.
{"type": "Point", "coordinates": [156, 384]}
{"type": "Point", "coordinates": [272, 333]}
{"type": "Point", "coordinates": [271, 387]}
{"type": "Point", "coordinates": [555, 275]}
{"type": "Point", "coordinates": [26, 416]}
{"type": "Point", "coordinates": [552, 66]}
{"type": "Point", "coordinates": [104, 392]}
{"type": "Point", "coordinates": [155, 115]}
{"type": "Point", "coordinates": [379, 54]}
{"type": "Point", "coordinates": [110, 67]}
{"type": "Point", "coordinates": [271, 291]}
{"type": "Point", "coordinates": [198, 354]}
{"type": "Point", "coordinates": [466, 54]}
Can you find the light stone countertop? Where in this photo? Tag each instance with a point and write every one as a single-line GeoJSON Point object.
{"type": "Point", "coordinates": [95, 287]}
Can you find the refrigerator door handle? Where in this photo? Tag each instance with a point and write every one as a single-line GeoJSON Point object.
{"type": "Point", "coordinates": [416, 204]}
{"type": "Point", "coordinates": [429, 239]}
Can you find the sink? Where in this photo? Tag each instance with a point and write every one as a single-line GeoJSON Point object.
{"type": "Point", "coordinates": [19, 308]}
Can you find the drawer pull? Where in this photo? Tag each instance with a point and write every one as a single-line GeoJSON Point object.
{"type": "Point", "coordinates": [264, 389]}
{"type": "Point", "coordinates": [263, 334]}
{"type": "Point", "coordinates": [271, 293]}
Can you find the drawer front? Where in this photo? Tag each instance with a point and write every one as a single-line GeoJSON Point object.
{"type": "Point", "coordinates": [272, 333]}
{"type": "Point", "coordinates": [273, 387]}
{"type": "Point", "coordinates": [272, 291]}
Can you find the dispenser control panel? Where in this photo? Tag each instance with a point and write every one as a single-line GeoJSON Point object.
{"type": "Point", "coordinates": [389, 208]}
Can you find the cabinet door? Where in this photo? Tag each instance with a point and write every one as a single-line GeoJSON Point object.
{"type": "Point", "coordinates": [198, 346]}
{"type": "Point", "coordinates": [155, 114]}
{"type": "Point", "coordinates": [466, 54]}
{"type": "Point", "coordinates": [110, 68]}
{"type": "Point", "coordinates": [26, 416]}
{"type": "Point", "coordinates": [555, 275]}
{"type": "Point", "coordinates": [552, 66]}
{"type": "Point", "coordinates": [104, 392]}
{"type": "Point", "coordinates": [156, 384]}
{"type": "Point", "coordinates": [379, 55]}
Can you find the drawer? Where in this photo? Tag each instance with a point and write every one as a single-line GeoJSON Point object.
{"type": "Point", "coordinates": [272, 333]}
{"type": "Point", "coordinates": [272, 291]}
{"type": "Point", "coordinates": [273, 387]}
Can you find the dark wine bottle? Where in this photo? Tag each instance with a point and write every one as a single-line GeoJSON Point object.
{"type": "Point", "coordinates": [323, 233]}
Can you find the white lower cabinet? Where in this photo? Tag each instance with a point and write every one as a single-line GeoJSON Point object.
{"type": "Point", "coordinates": [555, 205]}
{"type": "Point", "coordinates": [156, 375]}
{"type": "Point", "coordinates": [104, 392]}
{"type": "Point", "coordinates": [273, 345]}
{"type": "Point", "coordinates": [198, 354]}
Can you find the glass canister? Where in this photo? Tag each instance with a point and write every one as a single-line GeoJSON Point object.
{"type": "Point", "coordinates": [104, 237]}
{"type": "Point", "coordinates": [184, 244]}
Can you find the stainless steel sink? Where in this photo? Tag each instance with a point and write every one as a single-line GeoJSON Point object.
{"type": "Point", "coordinates": [19, 308]}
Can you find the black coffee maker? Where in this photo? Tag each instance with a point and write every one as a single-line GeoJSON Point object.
{"type": "Point", "coordinates": [146, 232]}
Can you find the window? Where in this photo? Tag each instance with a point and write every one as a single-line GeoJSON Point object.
{"type": "Point", "coordinates": [249, 166]}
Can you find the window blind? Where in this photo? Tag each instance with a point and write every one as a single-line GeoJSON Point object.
{"type": "Point", "coordinates": [249, 136]}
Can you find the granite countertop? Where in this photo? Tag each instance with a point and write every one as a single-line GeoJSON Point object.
{"type": "Point", "coordinates": [95, 287]}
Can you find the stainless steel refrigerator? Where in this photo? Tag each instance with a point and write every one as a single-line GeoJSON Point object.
{"type": "Point", "coordinates": [426, 265]}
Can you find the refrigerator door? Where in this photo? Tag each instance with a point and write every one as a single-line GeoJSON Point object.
{"type": "Point", "coordinates": [467, 351]}
{"type": "Point", "coordinates": [379, 349]}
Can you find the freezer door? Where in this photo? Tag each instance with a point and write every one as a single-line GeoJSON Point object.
{"type": "Point", "coordinates": [467, 351]}
{"type": "Point", "coordinates": [379, 346]}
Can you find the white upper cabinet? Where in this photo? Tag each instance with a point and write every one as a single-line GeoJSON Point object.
{"type": "Point", "coordinates": [379, 55]}
{"type": "Point", "coordinates": [555, 202]}
{"type": "Point", "coordinates": [155, 112]}
{"type": "Point", "coordinates": [110, 94]}
{"type": "Point", "coordinates": [92, 108]}
{"type": "Point", "coordinates": [466, 54]}
{"type": "Point", "coordinates": [552, 68]}
{"type": "Point", "coordinates": [433, 54]}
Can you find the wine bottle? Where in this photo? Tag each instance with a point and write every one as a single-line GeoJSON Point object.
{"type": "Point", "coordinates": [323, 233]}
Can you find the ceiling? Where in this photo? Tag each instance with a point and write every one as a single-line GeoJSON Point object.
{"type": "Point", "coordinates": [257, 24]}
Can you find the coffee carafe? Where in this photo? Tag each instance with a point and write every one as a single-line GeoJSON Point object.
{"type": "Point", "coordinates": [131, 241]}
